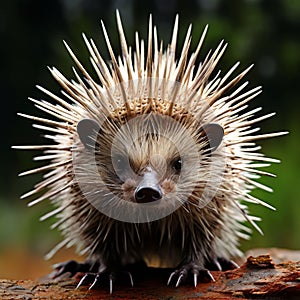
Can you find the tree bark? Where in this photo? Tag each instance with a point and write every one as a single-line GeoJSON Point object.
{"type": "Point", "coordinates": [259, 277]}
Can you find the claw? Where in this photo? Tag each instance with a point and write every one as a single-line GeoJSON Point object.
{"type": "Point", "coordinates": [179, 280]}
{"type": "Point", "coordinates": [82, 280]}
{"type": "Point", "coordinates": [110, 283]}
{"type": "Point", "coordinates": [94, 282]}
{"type": "Point", "coordinates": [234, 264]}
{"type": "Point", "coordinates": [217, 264]}
{"type": "Point", "coordinates": [130, 278]}
{"type": "Point", "coordinates": [195, 279]}
{"type": "Point", "coordinates": [210, 276]}
{"type": "Point", "coordinates": [170, 277]}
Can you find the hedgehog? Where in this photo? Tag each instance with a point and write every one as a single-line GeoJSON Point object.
{"type": "Point", "coordinates": [152, 159]}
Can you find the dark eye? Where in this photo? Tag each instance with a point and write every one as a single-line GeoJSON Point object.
{"type": "Point", "coordinates": [177, 164]}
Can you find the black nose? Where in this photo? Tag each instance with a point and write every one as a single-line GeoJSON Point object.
{"type": "Point", "coordinates": [147, 194]}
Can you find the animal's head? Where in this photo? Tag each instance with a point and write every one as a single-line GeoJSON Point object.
{"type": "Point", "coordinates": [149, 157]}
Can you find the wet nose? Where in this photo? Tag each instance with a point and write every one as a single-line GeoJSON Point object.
{"type": "Point", "coordinates": [147, 194]}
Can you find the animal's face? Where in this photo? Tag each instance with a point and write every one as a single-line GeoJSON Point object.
{"type": "Point", "coordinates": [149, 155]}
{"type": "Point", "coordinates": [151, 158]}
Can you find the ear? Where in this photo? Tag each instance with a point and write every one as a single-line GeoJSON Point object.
{"type": "Point", "coordinates": [214, 133]}
{"type": "Point", "coordinates": [87, 130]}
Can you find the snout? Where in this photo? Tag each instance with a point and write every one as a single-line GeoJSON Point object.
{"type": "Point", "coordinates": [148, 190]}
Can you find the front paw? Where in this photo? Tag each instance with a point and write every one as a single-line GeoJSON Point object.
{"type": "Point", "coordinates": [95, 279]}
{"type": "Point", "coordinates": [191, 269]}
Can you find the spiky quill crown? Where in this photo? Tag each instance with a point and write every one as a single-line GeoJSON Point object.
{"type": "Point", "coordinates": [143, 81]}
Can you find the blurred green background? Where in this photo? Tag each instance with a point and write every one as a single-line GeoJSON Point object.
{"type": "Point", "coordinates": [264, 32]}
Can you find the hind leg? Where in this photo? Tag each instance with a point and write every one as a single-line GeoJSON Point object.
{"type": "Point", "coordinates": [70, 268]}
{"type": "Point", "coordinates": [221, 264]}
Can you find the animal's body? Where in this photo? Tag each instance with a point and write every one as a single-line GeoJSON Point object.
{"type": "Point", "coordinates": [152, 161]}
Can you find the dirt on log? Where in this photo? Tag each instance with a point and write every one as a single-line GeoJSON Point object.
{"type": "Point", "coordinates": [258, 278]}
